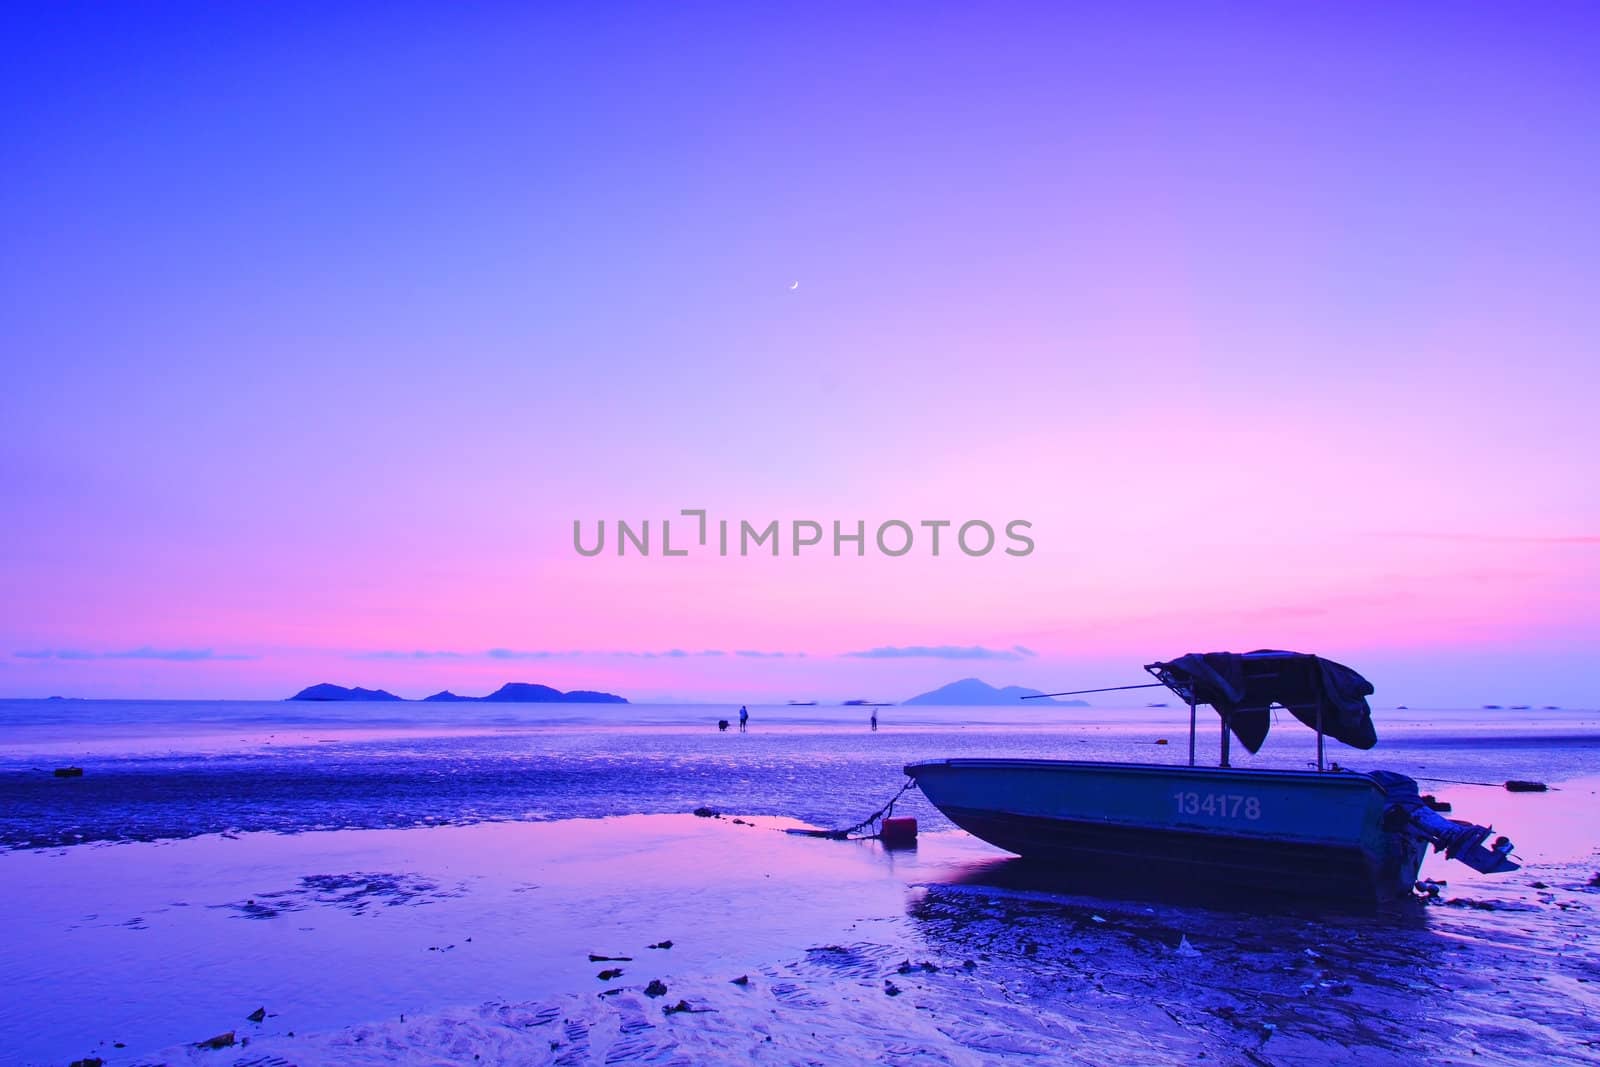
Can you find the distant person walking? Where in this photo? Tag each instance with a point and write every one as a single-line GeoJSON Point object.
{"type": "Point", "coordinates": [744, 718]}
{"type": "Point", "coordinates": [874, 720]}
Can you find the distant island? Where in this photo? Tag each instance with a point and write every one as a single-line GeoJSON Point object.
{"type": "Point", "coordinates": [325, 691]}
{"type": "Point", "coordinates": [971, 692]}
{"type": "Point", "coordinates": [530, 693]}
{"type": "Point", "coordinates": [510, 693]}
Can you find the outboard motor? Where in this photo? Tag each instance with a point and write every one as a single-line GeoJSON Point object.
{"type": "Point", "coordinates": [1456, 838]}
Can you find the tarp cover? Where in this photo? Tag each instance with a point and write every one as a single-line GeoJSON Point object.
{"type": "Point", "coordinates": [1242, 687]}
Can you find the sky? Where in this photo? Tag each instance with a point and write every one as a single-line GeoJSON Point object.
{"type": "Point", "coordinates": [323, 326]}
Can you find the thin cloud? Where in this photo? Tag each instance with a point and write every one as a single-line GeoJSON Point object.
{"type": "Point", "coordinates": [510, 654]}
{"type": "Point", "coordinates": [166, 655]}
{"type": "Point", "coordinates": [1531, 539]}
{"type": "Point", "coordinates": [519, 654]}
{"type": "Point", "coordinates": [1016, 652]}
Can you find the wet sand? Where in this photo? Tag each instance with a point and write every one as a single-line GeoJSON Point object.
{"type": "Point", "coordinates": [472, 944]}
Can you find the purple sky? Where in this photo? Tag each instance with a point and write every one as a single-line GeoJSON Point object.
{"type": "Point", "coordinates": [321, 329]}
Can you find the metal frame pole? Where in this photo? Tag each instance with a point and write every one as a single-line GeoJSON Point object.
{"type": "Point", "coordinates": [1191, 730]}
{"type": "Point", "coordinates": [1319, 733]}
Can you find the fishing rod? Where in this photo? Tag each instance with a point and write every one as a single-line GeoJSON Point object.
{"type": "Point", "coordinates": [1108, 689]}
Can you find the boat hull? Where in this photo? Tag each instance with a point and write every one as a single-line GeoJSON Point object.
{"type": "Point", "coordinates": [1292, 833]}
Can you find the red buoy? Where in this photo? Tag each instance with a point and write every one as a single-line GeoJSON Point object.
{"type": "Point", "coordinates": [899, 833]}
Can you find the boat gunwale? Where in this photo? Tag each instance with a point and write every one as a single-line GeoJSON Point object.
{"type": "Point", "coordinates": [1336, 779]}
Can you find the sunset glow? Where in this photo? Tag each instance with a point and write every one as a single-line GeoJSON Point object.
{"type": "Point", "coordinates": [321, 335]}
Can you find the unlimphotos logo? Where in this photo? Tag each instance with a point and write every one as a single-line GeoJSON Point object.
{"type": "Point", "coordinates": [729, 537]}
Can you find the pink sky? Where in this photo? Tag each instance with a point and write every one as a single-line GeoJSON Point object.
{"type": "Point", "coordinates": [1278, 332]}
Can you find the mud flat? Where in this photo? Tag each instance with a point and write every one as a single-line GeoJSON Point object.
{"type": "Point", "coordinates": [473, 944]}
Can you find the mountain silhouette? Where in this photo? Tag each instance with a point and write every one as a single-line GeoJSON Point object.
{"type": "Point", "coordinates": [328, 691]}
{"type": "Point", "coordinates": [510, 693]}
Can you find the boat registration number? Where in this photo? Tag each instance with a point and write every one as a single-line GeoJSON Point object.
{"type": "Point", "coordinates": [1220, 805]}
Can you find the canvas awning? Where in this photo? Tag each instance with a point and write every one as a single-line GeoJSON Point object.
{"type": "Point", "coordinates": [1243, 687]}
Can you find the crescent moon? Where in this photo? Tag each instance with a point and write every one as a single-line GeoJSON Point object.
{"type": "Point", "coordinates": [796, 285]}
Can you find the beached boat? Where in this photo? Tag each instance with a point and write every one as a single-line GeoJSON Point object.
{"type": "Point", "coordinates": [1353, 836]}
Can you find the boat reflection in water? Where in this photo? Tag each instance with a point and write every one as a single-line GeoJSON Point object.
{"type": "Point", "coordinates": [1352, 837]}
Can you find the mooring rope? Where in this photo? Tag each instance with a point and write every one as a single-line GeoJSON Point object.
{"type": "Point", "coordinates": [844, 835]}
